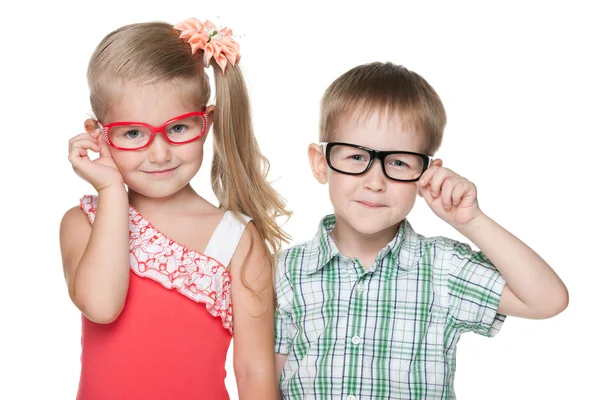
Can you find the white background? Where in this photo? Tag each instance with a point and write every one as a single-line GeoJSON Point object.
{"type": "Point", "coordinates": [520, 84]}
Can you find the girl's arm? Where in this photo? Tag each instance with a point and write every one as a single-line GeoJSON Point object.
{"type": "Point", "coordinates": [280, 360]}
{"type": "Point", "coordinates": [96, 258]}
{"type": "Point", "coordinates": [253, 321]}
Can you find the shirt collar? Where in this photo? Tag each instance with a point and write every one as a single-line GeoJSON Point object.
{"type": "Point", "coordinates": [403, 247]}
{"type": "Point", "coordinates": [322, 248]}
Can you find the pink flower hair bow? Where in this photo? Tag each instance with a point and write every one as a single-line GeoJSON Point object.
{"type": "Point", "coordinates": [215, 43]}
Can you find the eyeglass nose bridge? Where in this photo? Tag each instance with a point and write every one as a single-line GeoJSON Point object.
{"type": "Point", "coordinates": [154, 130]}
{"type": "Point", "coordinates": [376, 155]}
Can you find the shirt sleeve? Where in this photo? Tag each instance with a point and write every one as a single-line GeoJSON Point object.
{"type": "Point", "coordinates": [283, 317]}
{"type": "Point", "coordinates": [474, 289]}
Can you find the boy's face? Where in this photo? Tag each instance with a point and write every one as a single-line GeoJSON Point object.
{"type": "Point", "coordinates": [369, 203]}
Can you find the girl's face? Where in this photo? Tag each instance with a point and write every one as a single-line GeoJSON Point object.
{"type": "Point", "coordinates": [162, 168]}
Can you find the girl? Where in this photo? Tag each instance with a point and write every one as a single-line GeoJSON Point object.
{"type": "Point", "coordinates": [155, 269]}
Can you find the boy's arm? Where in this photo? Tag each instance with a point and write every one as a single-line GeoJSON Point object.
{"type": "Point", "coordinates": [96, 258]}
{"type": "Point", "coordinates": [253, 349]}
{"type": "Point", "coordinates": [533, 289]}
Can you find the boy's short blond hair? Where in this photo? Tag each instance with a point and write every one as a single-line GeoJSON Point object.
{"type": "Point", "coordinates": [389, 88]}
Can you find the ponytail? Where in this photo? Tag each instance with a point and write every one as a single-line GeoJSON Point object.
{"type": "Point", "coordinates": [239, 170]}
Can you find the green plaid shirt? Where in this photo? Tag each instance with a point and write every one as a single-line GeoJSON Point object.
{"type": "Point", "coordinates": [386, 333]}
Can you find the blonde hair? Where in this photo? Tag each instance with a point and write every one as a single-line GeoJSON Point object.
{"type": "Point", "coordinates": [384, 87]}
{"type": "Point", "coordinates": [151, 53]}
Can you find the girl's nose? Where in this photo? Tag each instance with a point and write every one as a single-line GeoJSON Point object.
{"type": "Point", "coordinates": [159, 151]}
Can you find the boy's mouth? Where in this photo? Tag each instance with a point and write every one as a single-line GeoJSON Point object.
{"type": "Point", "coordinates": [370, 204]}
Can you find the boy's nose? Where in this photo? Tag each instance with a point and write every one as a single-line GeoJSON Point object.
{"type": "Point", "coordinates": [159, 151]}
{"type": "Point", "coordinates": [374, 178]}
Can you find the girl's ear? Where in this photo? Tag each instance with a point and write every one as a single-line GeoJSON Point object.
{"type": "Point", "coordinates": [318, 163]}
{"type": "Point", "coordinates": [90, 125]}
{"type": "Point", "coordinates": [210, 112]}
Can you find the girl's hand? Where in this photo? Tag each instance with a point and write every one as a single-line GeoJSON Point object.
{"type": "Point", "coordinates": [450, 196]}
{"type": "Point", "coordinates": [100, 173]}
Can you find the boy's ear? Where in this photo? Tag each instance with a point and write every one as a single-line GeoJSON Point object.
{"type": "Point", "coordinates": [318, 164]}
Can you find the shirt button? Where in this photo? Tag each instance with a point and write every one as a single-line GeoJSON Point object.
{"type": "Point", "coordinates": [356, 340]}
{"type": "Point", "coordinates": [350, 398]}
{"type": "Point", "coordinates": [360, 288]}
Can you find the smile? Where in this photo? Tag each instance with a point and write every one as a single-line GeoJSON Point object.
{"type": "Point", "coordinates": [161, 173]}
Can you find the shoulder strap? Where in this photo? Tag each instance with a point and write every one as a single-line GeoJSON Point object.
{"type": "Point", "coordinates": [226, 237]}
{"type": "Point", "coordinates": [88, 204]}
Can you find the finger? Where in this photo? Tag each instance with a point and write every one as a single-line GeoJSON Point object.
{"type": "Point", "coordinates": [425, 193]}
{"type": "Point", "coordinates": [86, 138]}
{"type": "Point", "coordinates": [438, 179]}
{"type": "Point", "coordinates": [458, 192]}
{"type": "Point", "coordinates": [78, 137]}
{"type": "Point", "coordinates": [87, 144]}
{"type": "Point", "coordinates": [77, 155]}
{"type": "Point", "coordinates": [427, 175]}
{"type": "Point", "coordinates": [96, 133]}
{"type": "Point", "coordinates": [79, 152]}
{"type": "Point", "coordinates": [446, 192]}
{"type": "Point", "coordinates": [435, 164]}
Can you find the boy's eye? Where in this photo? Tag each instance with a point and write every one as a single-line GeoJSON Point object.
{"type": "Point", "coordinates": [398, 163]}
{"type": "Point", "coordinates": [358, 157]}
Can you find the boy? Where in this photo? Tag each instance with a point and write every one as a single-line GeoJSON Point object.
{"type": "Point", "coordinates": [369, 309]}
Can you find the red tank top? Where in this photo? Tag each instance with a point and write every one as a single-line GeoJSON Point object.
{"type": "Point", "coordinates": [172, 337]}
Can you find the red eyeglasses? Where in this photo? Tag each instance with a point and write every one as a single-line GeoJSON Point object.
{"type": "Point", "coordinates": [137, 135]}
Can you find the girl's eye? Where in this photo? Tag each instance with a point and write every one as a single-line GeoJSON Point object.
{"type": "Point", "coordinates": [178, 129]}
{"type": "Point", "coordinates": [133, 134]}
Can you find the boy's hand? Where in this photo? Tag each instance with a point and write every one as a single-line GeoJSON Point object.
{"type": "Point", "coordinates": [450, 196]}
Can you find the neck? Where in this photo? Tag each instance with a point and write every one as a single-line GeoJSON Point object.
{"type": "Point", "coordinates": [359, 245]}
{"type": "Point", "coordinates": [173, 202]}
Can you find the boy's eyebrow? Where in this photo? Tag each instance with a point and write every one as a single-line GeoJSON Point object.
{"type": "Point", "coordinates": [324, 147]}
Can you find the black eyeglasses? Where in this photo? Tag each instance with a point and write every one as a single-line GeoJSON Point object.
{"type": "Point", "coordinates": [351, 159]}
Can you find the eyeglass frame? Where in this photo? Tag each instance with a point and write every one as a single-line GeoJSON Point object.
{"type": "Point", "coordinates": [374, 154]}
{"type": "Point", "coordinates": [154, 129]}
